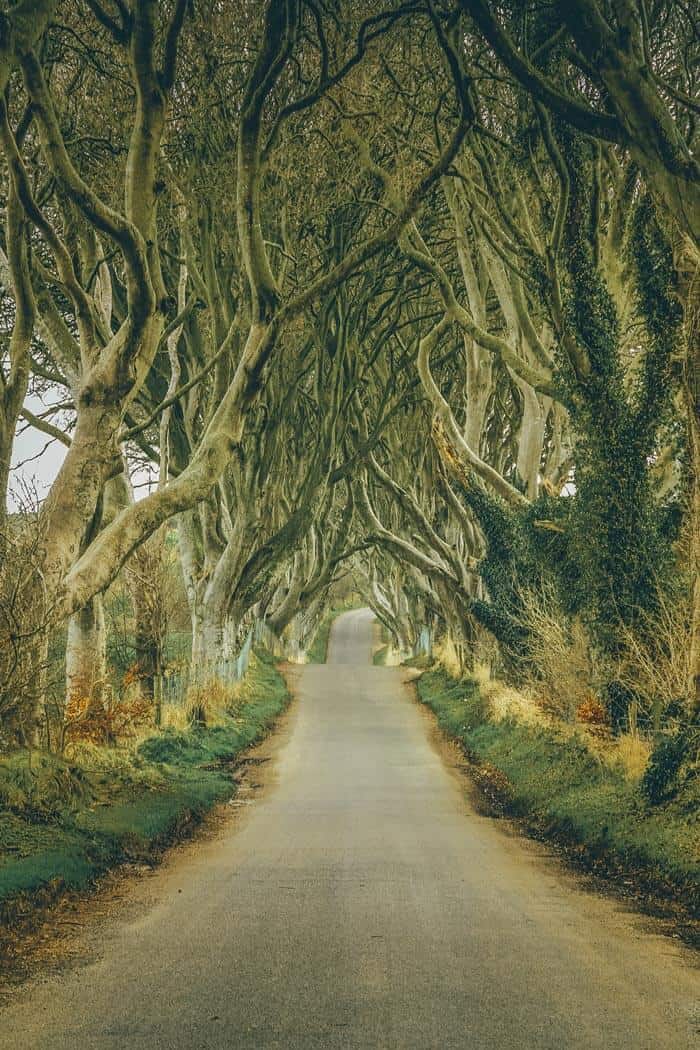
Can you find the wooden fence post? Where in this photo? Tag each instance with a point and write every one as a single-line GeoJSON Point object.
{"type": "Point", "coordinates": [158, 698]}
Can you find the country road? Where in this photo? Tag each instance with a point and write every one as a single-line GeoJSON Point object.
{"type": "Point", "coordinates": [361, 903]}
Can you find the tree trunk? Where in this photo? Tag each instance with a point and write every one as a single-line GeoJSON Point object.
{"type": "Point", "coordinates": [149, 652]}
{"type": "Point", "coordinates": [687, 265]}
{"type": "Point", "coordinates": [287, 609]}
{"type": "Point", "coordinates": [86, 653]}
{"type": "Point", "coordinates": [6, 439]}
{"type": "Point", "coordinates": [692, 392]}
{"type": "Point", "coordinates": [213, 635]}
{"type": "Point", "coordinates": [531, 437]}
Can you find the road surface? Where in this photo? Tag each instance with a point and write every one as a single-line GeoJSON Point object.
{"type": "Point", "coordinates": [361, 903]}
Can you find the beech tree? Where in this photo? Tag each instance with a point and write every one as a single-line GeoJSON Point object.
{"type": "Point", "coordinates": [104, 231]}
{"type": "Point", "coordinates": [406, 293]}
{"type": "Point", "coordinates": [627, 75]}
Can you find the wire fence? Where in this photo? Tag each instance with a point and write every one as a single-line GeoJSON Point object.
{"type": "Point", "coordinates": [283, 650]}
{"type": "Point", "coordinates": [173, 687]}
{"type": "Point", "coordinates": [424, 644]}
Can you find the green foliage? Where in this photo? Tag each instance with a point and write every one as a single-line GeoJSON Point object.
{"type": "Point", "coordinates": [421, 662]}
{"type": "Point", "coordinates": [658, 304]}
{"type": "Point", "coordinates": [64, 822]}
{"type": "Point", "coordinates": [318, 651]}
{"type": "Point", "coordinates": [506, 559]}
{"type": "Point", "coordinates": [519, 552]}
{"type": "Point", "coordinates": [617, 546]}
{"type": "Point", "coordinates": [379, 657]}
{"type": "Point", "coordinates": [558, 785]}
{"type": "Point", "coordinates": [457, 702]}
{"type": "Point", "coordinates": [35, 856]}
{"type": "Point", "coordinates": [611, 530]}
{"type": "Point", "coordinates": [611, 546]}
{"type": "Point", "coordinates": [42, 786]}
{"type": "Point", "coordinates": [661, 777]}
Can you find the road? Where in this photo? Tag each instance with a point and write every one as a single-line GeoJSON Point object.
{"type": "Point", "coordinates": [362, 903]}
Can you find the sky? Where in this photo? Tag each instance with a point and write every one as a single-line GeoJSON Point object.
{"type": "Point", "coordinates": [41, 471]}
{"type": "Point", "coordinates": [37, 459]}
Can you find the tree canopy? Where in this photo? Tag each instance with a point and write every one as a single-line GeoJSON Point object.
{"type": "Point", "coordinates": [403, 291]}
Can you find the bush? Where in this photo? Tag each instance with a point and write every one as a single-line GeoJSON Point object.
{"type": "Point", "coordinates": [557, 782]}
{"type": "Point", "coordinates": [661, 778]}
{"type": "Point", "coordinates": [630, 756]}
{"type": "Point", "coordinates": [654, 661]}
{"type": "Point", "coordinates": [558, 669]}
{"type": "Point", "coordinates": [41, 786]}
{"type": "Point", "coordinates": [63, 821]}
{"type": "Point", "coordinates": [104, 722]}
{"type": "Point", "coordinates": [592, 712]}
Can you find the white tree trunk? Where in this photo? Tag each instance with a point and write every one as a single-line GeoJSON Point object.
{"type": "Point", "coordinates": [86, 653]}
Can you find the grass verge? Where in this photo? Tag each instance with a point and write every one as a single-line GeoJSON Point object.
{"type": "Point", "coordinates": [560, 789]}
{"type": "Point", "coordinates": [379, 656]}
{"type": "Point", "coordinates": [65, 821]}
{"type": "Point", "coordinates": [318, 652]}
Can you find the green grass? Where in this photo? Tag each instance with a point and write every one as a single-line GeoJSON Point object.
{"type": "Point", "coordinates": [318, 652]}
{"type": "Point", "coordinates": [557, 784]}
{"type": "Point", "coordinates": [63, 823]}
{"type": "Point", "coordinates": [379, 657]}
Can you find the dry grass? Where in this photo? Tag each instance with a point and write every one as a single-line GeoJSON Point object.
{"type": "Point", "coordinates": [487, 655]}
{"type": "Point", "coordinates": [656, 661]}
{"type": "Point", "coordinates": [210, 703]}
{"type": "Point", "coordinates": [627, 755]}
{"type": "Point", "coordinates": [507, 703]}
{"type": "Point", "coordinates": [446, 653]}
{"type": "Point", "coordinates": [631, 754]}
{"type": "Point", "coordinates": [482, 674]}
{"type": "Point", "coordinates": [560, 651]}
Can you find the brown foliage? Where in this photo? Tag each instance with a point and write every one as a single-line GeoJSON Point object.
{"type": "Point", "coordinates": [591, 712]}
{"type": "Point", "coordinates": [107, 720]}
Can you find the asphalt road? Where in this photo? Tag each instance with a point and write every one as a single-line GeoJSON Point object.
{"type": "Point", "coordinates": [360, 902]}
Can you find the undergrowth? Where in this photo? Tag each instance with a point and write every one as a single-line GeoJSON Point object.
{"type": "Point", "coordinates": [65, 820]}
{"type": "Point", "coordinates": [380, 655]}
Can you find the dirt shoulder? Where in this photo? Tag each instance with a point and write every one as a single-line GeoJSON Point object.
{"type": "Point", "coordinates": [553, 788]}
{"type": "Point", "coordinates": [62, 852]}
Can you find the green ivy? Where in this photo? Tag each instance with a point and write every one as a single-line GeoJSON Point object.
{"type": "Point", "coordinates": [611, 546]}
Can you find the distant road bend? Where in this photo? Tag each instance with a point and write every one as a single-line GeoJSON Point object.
{"type": "Point", "coordinates": [361, 903]}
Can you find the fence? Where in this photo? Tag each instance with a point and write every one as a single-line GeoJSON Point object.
{"type": "Point", "coordinates": [423, 646]}
{"type": "Point", "coordinates": [283, 650]}
{"type": "Point", "coordinates": [173, 687]}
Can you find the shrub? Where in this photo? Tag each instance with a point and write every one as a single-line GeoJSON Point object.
{"type": "Point", "coordinates": [592, 712]}
{"type": "Point", "coordinates": [105, 722]}
{"type": "Point", "coordinates": [654, 661]}
{"type": "Point", "coordinates": [661, 781]}
{"type": "Point", "coordinates": [631, 756]}
{"type": "Point", "coordinates": [211, 701]}
{"type": "Point", "coordinates": [558, 663]}
{"type": "Point", "coordinates": [41, 786]}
